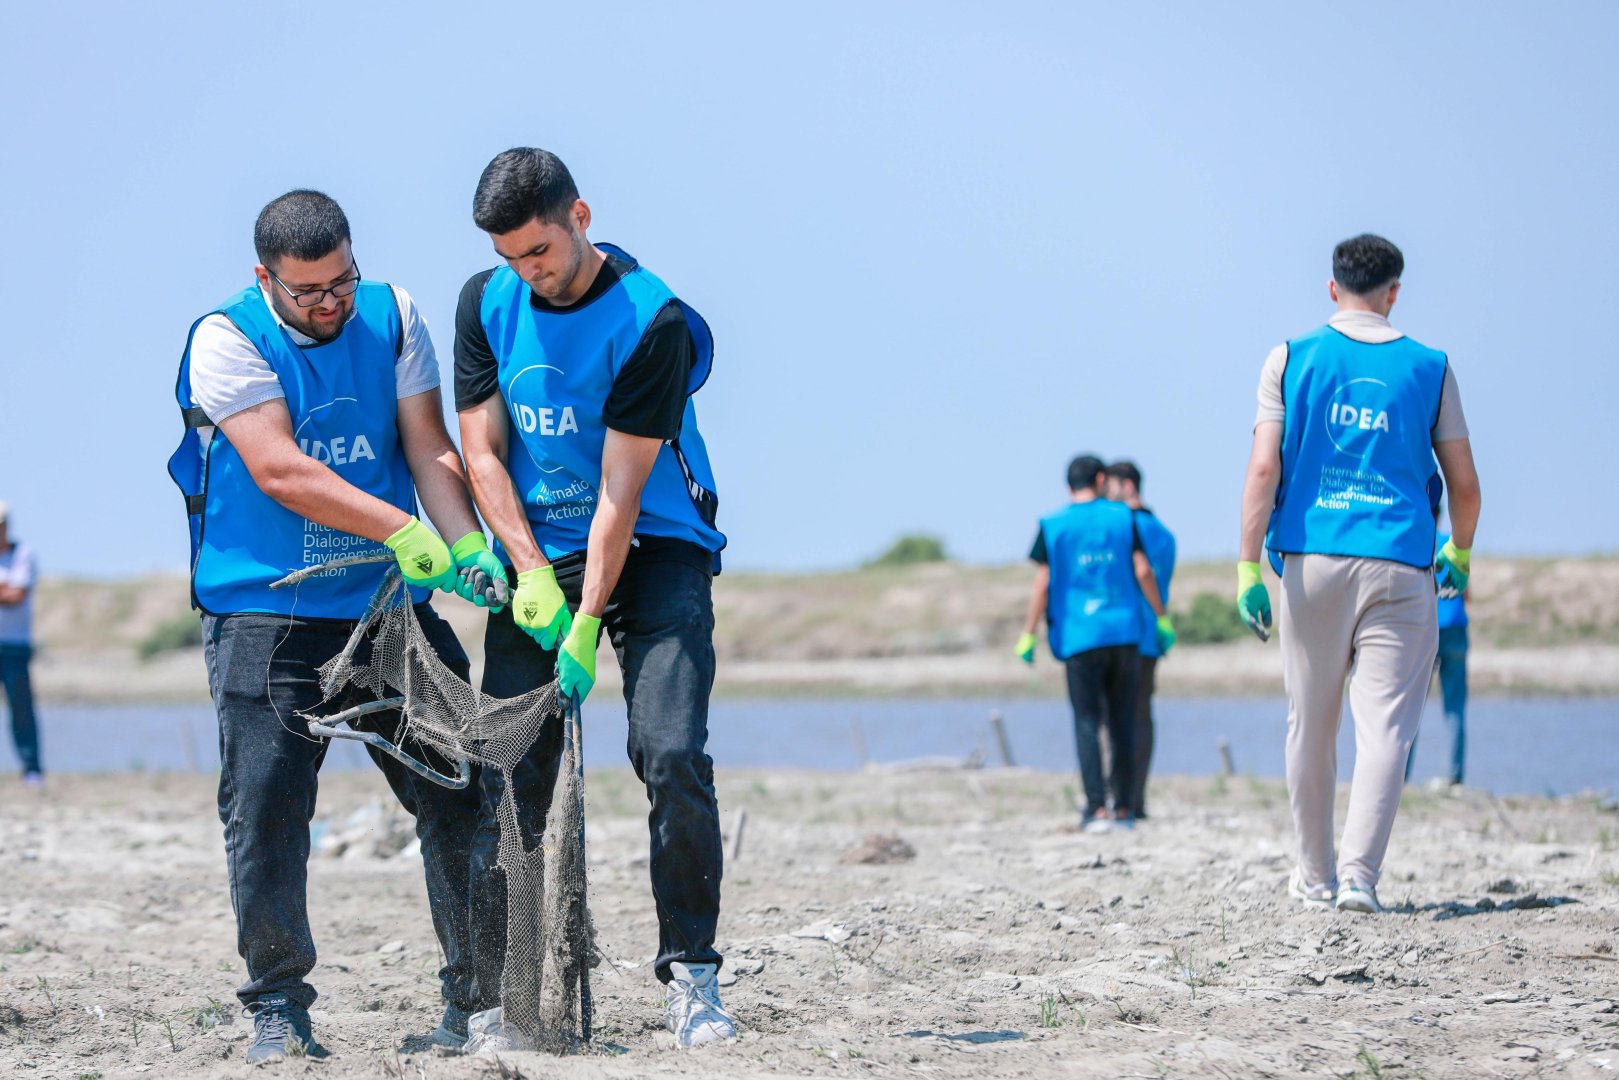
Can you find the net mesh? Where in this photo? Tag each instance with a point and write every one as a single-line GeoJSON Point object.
{"type": "Point", "coordinates": [550, 940]}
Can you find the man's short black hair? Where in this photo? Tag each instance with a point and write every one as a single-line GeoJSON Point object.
{"type": "Point", "coordinates": [1366, 263]}
{"type": "Point", "coordinates": [1125, 470]}
{"type": "Point", "coordinates": [306, 225]}
{"type": "Point", "coordinates": [522, 184]}
{"type": "Point", "coordinates": [1082, 472]}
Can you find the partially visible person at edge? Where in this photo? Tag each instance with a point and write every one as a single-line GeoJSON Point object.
{"type": "Point", "coordinates": [1124, 485]}
{"type": "Point", "coordinates": [1093, 583]}
{"type": "Point", "coordinates": [1452, 666]}
{"type": "Point", "coordinates": [17, 575]}
{"type": "Point", "coordinates": [1341, 488]}
{"type": "Point", "coordinates": [313, 418]}
{"type": "Point", "coordinates": [575, 370]}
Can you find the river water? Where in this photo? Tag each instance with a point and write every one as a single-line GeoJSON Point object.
{"type": "Point", "coordinates": [1515, 745]}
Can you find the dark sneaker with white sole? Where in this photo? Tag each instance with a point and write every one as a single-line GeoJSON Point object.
{"type": "Point", "coordinates": [280, 1030]}
{"type": "Point", "coordinates": [452, 1028]}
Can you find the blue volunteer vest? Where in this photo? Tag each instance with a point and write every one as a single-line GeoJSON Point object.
{"type": "Point", "coordinates": [1094, 600]}
{"type": "Point", "coordinates": [556, 369]}
{"type": "Point", "coordinates": [1358, 471]}
{"type": "Point", "coordinates": [344, 404]}
{"type": "Point", "coordinates": [1452, 610]}
{"type": "Point", "coordinates": [1159, 544]}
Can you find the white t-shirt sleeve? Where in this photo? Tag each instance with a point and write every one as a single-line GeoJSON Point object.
{"type": "Point", "coordinates": [1271, 405]}
{"type": "Point", "coordinates": [1452, 422]}
{"type": "Point", "coordinates": [417, 369]}
{"type": "Point", "coordinates": [20, 575]}
{"type": "Point", "coordinates": [227, 372]}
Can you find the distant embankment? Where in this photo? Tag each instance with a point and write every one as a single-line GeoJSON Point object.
{"type": "Point", "coordinates": [1539, 626]}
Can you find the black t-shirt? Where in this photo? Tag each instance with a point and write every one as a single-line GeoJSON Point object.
{"type": "Point", "coordinates": [1037, 552]}
{"type": "Point", "coordinates": [648, 398]}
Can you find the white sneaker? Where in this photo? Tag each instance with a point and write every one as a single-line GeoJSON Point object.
{"type": "Point", "coordinates": [1098, 822]}
{"type": "Point", "coordinates": [488, 1033]}
{"type": "Point", "coordinates": [1319, 897]}
{"type": "Point", "coordinates": [691, 1006]}
{"type": "Point", "coordinates": [1357, 897]}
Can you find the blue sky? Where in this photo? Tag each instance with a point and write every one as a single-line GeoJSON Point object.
{"type": "Point", "coordinates": [942, 247]}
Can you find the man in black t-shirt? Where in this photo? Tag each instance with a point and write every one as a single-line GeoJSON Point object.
{"type": "Point", "coordinates": [574, 370]}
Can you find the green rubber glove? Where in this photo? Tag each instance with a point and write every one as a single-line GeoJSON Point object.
{"type": "Point", "coordinates": [576, 661]}
{"type": "Point", "coordinates": [539, 608]}
{"type": "Point", "coordinates": [1453, 566]}
{"type": "Point", "coordinates": [479, 576]}
{"type": "Point", "coordinates": [1166, 634]}
{"type": "Point", "coordinates": [1025, 648]}
{"type": "Point", "coordinates": [423, 559]}
{"type": "Point", "coordinates": [1253, 600]}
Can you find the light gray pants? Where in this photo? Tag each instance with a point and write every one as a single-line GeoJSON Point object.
{"type": "Point", "coordinates": [1374, 623]}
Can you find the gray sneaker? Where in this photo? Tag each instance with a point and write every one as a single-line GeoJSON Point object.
{"type": "Point", "coordinates": [452, 1028]}
{"type": "Point", "coordinates": [1357, 897]}
{"type": "Point", "coordinates": [1353, 896]}
{"type": "Point", "coordinates": [1319, 896]}
{"type": "Point", "coordinates": [280, 1030]}
{"type": "Point", "coordinates": [691, 1006]}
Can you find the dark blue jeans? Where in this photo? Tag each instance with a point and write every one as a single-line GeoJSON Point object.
{"type": "Point", "coordinates": [660, 623]}
{"type": "Point", "coordinates": [14, 661]}
{"type": "Point", "coordinates": [262, 670]}
{"type": "Point", "coordinates": [1102, 689]}
{"type": "Point", "coordinates": [1452, 664]}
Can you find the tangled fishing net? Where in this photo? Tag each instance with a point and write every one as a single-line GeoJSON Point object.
{"type": "Point", "coordinates": [550, 947]}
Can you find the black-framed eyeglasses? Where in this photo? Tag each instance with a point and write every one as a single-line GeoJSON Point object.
{"type": "Point", "coordinates": [311, 297]}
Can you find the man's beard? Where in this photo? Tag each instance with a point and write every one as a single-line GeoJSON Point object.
{"type": "Point", "coordinates": [305, 324]}
{"type": "Point", "coordinates": [564, 280]}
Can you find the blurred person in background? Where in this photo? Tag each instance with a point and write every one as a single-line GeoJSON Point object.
{"type": "Point", "coordinates": [17, 576]}
{"type": "Point", "coordinates": [1451, 664]}
{"type": "Point", "coordinates": [1124, 486]}
{"type": "Point", "coordinates": [1092, 579]}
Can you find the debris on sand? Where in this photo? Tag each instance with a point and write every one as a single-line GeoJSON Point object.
{"type": "Point", "coordinates": [879, 849]}
{"type": "Point", "coordinates": [835, 932]}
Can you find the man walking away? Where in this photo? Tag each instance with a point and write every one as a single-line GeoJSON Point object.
{"type": "Point", "coordinates": [1124, 485]}
{"type": "Point", "coordinates": [1093, 576]}
{"type": "Point", "coordinates": [17, 576]}
{"type": "Point", "coordinates": [1341, 488]}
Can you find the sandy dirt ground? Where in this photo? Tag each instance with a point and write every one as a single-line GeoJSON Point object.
{"type": "Point", "coordinates": [1010, 945]}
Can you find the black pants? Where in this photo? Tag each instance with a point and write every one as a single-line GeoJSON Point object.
{"type": "Point", "coordinates": [1146, 678]}
{"type": "Point", "coordinates": [1102, 689]}
{"type": "Point", "coordinates": [262, 670]}
{"type": "Point", "coordinates": [660, 622]}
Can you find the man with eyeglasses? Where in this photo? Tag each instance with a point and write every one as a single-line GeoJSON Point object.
{"type": "Point", "coordinates": [313, 418]}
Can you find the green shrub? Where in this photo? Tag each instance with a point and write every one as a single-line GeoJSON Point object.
{"type": "Point", "coordinates": [1212, 619]}
{"type": "Point", "coordinates": [180, 632]}
{"type": "Point", "coordinates": [911, 549]}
